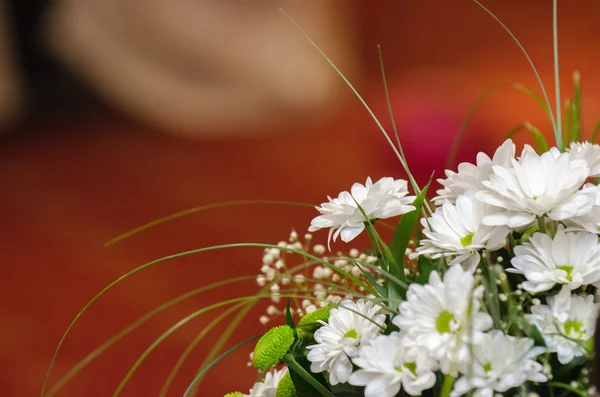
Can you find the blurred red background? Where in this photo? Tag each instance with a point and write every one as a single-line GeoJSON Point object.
{"type": "Point", "coordinates": [69, 186]}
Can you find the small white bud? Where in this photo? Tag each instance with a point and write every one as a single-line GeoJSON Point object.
{"type": "Point", "coordinates": [293, 236]}
{"type": "Point", "coordinates": [574, 384]}
{"type": "Point", "coordinates": [305, 303]}
{"type": "Point", "coordinates": [263, 320]}
{"type": "Point", "coordinates": [319, 249]}
{"type": "Point", "coordinates": [371, 259]}
{"type": "Point", "coordinates": [335, 278]}
{"type": "Point", "coordinates": [268, 259]}
{"type": "Point", "coordinates": [261, 281]}
{"type": "Point", "coordinates": [311, 309]}
{"type": "Point", "coordinates": [271, 310]}
{"type": "Point", "coordinates": [354, 253]}
{"type": "Point", "coordinates": [308, 237]}
{"type": "Point", "coordinates": [535, 302]}
{"type": "Point", "coordinates": [275, 288]}
{"type": "Point", "coordinates": [500, 259]}
{"type": "Point", "coordinates": [502, 298]}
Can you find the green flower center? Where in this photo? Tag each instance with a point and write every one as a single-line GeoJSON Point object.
{"type": "Point", "coordinates": [487, 367]}
{"type": "Point", "coordinates": [467, 240]}
{"type": "Point", "coordinates": [412, 367]}
{"type": "Point", "coordinates": [351, 334]}
{"type": "Point", "coordinates": [442, 324]}
{"type": "Point", "coordinates": [572, 328]}
{"type": "Point", "coordinates": [568, 269]}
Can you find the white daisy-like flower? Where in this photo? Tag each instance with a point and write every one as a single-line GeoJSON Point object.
{"type": "Point", "coordinates": [338, 340]}
{"type": "Point", "coordinates": [470, 176]}
{"type": "Point", "coordinates": [500, 362]}
{"type": "Point", "coordinates": [536, 186]}
{"type": "Point", "coordinates": [386, 367]}
{"type": "Point", "coordinates": [456, 230]}
{"type": "Point", "coordinates": [385, 198]}
{"type": "Point", "coordinates": [589, 222]}
{"type": "Point", "coordinates": [567, 323]}
{"type": "Point", "coordinates": [571, 259]}
{"type": "Point", "coordinates": [443, 317]}
{"type": "Point", "coordinates": [268, 387]}
{"type": "Point", "coordinates": [588, 152]}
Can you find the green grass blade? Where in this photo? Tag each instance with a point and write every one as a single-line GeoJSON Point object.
{"type": "Point", "coordinates": [200, 209]}
{"type": "Point", "coordinates": [556, 71]}
{"type": "Point", "coordinates": [595, 133]}
{"type": "Point", "coordinates": [186, 253]}
{"type": "Point", "coordinates": [540, 140]}
{"type": "Point", "coordinates": [555, 124]}
{"type": "Point", "coordinates": [307, 376]}
{"type": "Point", "coordinates": [456, 142]}
{"type": "Point", "coordinates": [175, 370]}
{"type": "Point", "coordinates": [389, 102]}
{"type": "Point", "coordinates": [567, 123]}
{"type": "Point", "coordinates": [121, 334]}
{"type": "Point", "coordinates": [188, 392]}
{"type": "Point", "coordinates": [401, 158]}
{"type": "Point", "coordinates": [180, 324]}
{"type": "Point", "coordinates": [576, 125]}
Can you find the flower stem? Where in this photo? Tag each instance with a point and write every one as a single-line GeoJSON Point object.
{"type": "Point", "coordinates": [559, 137]}
{"type": "Point", "coordinates": [542, 224]}
{"type": "Point", "coordinates": [304, 374]}
{"type": "Point", "coordinates": [447, 386]}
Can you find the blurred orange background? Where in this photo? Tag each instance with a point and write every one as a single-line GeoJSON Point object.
{"type": "Point", "coordinates": [73, 183]}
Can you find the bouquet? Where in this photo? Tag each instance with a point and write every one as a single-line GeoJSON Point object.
{"type": "Point", "coordinates": [486, 289]}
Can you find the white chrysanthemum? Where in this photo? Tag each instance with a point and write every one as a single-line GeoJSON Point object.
{"type": "Point", "coordinates": [268, 387]}
{"type": "Point", "coordinates": [457, 230]}
{"type": "Point", "coordinates": [386, 367]}
{"type": "Point", "coordinates": [567, 323]}
{"type": "Point", "coordinates": [535, 186]}
{"type": "Point", "coordinates": [351, 324]}
{"type": "Point", "coordinates": [385, 198]}
{"type": "Point", "coordinates": [588, 152]}
{"type": "Point", "coordinates": [435, 317]}
{"type": "Point", "coordinates": [571, 258]}
{"type": "Point", "coordinates": [589, 222]}
{"type": "Point", "coordinates": [500, 363]}
{"type": "Point", "coordinates": [470, 176]}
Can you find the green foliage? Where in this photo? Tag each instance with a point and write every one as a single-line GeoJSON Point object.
{"type": "Point", "coordinates": [273, 345]}
{"type": "Point", "coordinates": [286, 387]}
{"type": "Point", "coordinates": [321, 314]}
{"type": "Point", "coordinates": [234, 394]}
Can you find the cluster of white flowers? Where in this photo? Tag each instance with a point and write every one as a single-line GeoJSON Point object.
{"type": "Point", "coordinates": [541, 210]}
{"type": "Point", "coordinates": [441, 329]}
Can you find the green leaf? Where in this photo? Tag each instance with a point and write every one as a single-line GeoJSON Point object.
{"type": "Point", "coordinates": [306, 383]}
{"type": "Point", "coordinates": [404, 232]}
{"type": "Point", "coordinates": [531, 331]}
{"type": "Point", "coordinates": [289, 321]}
{"type": "Point", "coordinates": [426, 266]}
{"type": "Point", "coordinates": [347, 390]}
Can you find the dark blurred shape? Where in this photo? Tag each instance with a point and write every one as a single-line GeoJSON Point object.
{"type": "Point", "coordinates": [198, 69]}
